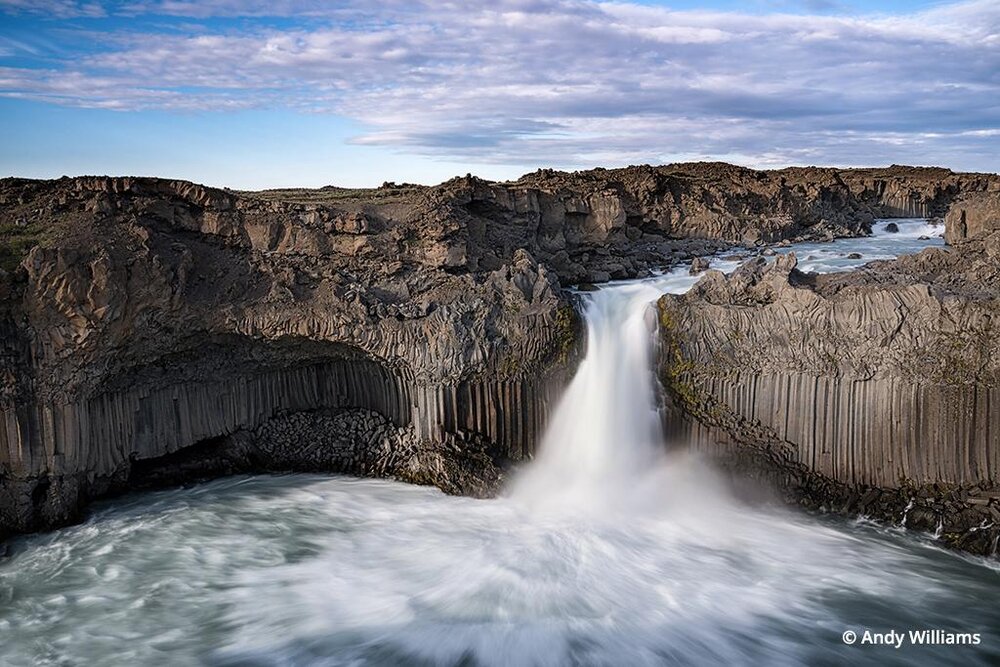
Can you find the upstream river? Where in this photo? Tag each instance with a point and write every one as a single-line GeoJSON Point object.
{"type": "Point", "coordinates": [606, 550]}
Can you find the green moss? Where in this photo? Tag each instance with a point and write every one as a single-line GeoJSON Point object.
{"type": "Point", "coordinates": [666, 321]}
{"type": "Point", "coordinates": [16, 241]}
{"type": "Point", "coordinates": [957, 359]}
{"type": "Point", "coordinates": [676, 368]}
{"type": "Point", "coordinates": [677, 371]}
{"type": "Point", "coordinates": [566, 324]}
{"type": "Point", "coordinates": [508, 366]}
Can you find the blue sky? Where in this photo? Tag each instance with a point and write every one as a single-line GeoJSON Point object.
{"type": "Point", "coordinates": [255, 93]}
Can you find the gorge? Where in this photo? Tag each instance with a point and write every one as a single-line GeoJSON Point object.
{"type": "Point", "coordinates": [158, 333]}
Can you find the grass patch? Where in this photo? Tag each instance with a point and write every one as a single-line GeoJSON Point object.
{"type": "Point", "coordinates": [16, 241]}
{"type": "Point", "coordinates": [333, 195]}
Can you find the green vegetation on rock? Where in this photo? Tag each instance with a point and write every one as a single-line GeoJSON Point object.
{"type": "Point", "coordinates": [566, 323]}
{"type": "Point", "coordinates": [16, 240]}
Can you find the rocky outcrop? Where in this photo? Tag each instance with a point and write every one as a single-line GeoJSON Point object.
{"type": "Point", "coordinates": [604, 224]}
{"type": "Point", "coordinates": [914, 192]}
{"type": "Point", "coordinates": [876, 391]}
{"type": "Point", "coordinates": [348, 440]}
{"type": "Point", "coordinates": [164, 316]}
{"type": "Point", "coordinates": [971, 216]}
{"type": "Point", "coordinates": [149, 329]}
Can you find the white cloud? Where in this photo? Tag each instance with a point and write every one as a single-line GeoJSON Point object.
{"type": "Point", "coordinates": [53, 8]}
{"type": "Point", "coordinates": [571, 82]}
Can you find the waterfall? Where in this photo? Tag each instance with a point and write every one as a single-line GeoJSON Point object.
{"type": "Point", "coordinates": [606, 435]}
{"type": "Point", "coordinates": [647, 559]}
{"type": "Point", "coordinates": [604, 448]}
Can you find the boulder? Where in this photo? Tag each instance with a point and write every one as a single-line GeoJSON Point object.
{"type": "Point", "coordinates": [698, 265]}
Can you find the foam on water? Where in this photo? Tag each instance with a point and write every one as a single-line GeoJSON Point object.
{"type": "Point", "coordinates": [914, 235]}
{"type": "Point", "coordinates": [607, 551]}
{"type": "Point", "coordinates": [605, 436]}
{"type": "Point", "coordinates": [311, 570]}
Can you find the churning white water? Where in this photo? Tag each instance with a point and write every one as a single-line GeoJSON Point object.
{"type": "Point", "coordinates": [606, 437]}
{"type": "Point", "coordinates": [607, 551]}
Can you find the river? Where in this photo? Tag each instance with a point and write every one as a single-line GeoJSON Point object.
{"type": "Point", "coordinates": [607, 549]}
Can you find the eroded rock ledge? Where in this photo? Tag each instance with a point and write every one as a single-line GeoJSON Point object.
{"type": "Point", "coordinates": [160, 316]}
{"type": "Point", "coordinates": [156, 331]}
{"type": "Point", "coordinates": [873, 392]}
{"type": "Point", "coordinates": [619, 223]}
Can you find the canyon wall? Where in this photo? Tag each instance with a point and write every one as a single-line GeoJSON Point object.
{"type": "Point", "coordinates": [914, 192]}
{"type": "Point", "coordinates": [162, 315]}
{"type": "Point", "coordinates": [592, 226]}
{"type": "Point", "coordinates": [161, 330]}
{"type": "Point", "coordinates": [876, 391]}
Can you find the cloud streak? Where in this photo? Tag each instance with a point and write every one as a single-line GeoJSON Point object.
{"type": "Point", "coordinates": [562, 82]}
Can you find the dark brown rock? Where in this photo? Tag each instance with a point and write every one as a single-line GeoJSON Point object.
{"type": "Point", "coordinates": [190, 314]}
{"type": "Point", "coordinates": [143, 319]}
{"type": "Point", "coordinates": [885, 379]}
{"type": "Point", "coordinates": [973, 215]}
{"type": "Point", "coordinates": [698, 265]}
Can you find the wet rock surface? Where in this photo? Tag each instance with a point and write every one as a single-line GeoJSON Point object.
{"type": "Point", "coordinates": [699, 265]}
{"type": "Point", "coordinates": [351, 441]}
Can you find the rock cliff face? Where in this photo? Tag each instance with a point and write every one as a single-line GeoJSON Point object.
{"type": "Point", "coordinates": [914, 192]}
{"type": "Point", "coordinates": [620, 223]}
{"type": "Point", "coordinates": [167, 315]}
{"type": "Point", "coordinates": [876, 391]}
{"type": "Point", "coordinates": [973, 215]}
{"type": "Point", "coordinates": [156, 331]}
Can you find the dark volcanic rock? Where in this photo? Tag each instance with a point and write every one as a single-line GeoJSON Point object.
{"type": "Point", "coordinates": [892, 228]}
{"type": "Point", "coordinates": [355, 441]}
{"type": "Point", "coordinates": [188, 314]}
{"type": "Point", "coordinates": [698, 265]}
{"type": "Point", "coordinates": [877, 383]}
{"type": "Point", "coordinates": [154, 330]}
{"type": "Point", "coordinates": [913, 192]}
{"type": "Point", "coordinates": [616, 223]}
{"type": "Point", "coordinates": [973, 215]}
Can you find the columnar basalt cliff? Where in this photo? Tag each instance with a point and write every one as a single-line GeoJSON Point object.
{"type": "Point", "coordinates": [156, 331]}
{"type": "Point", "coordinates": [164, 315]}
{"type": "Point", "coordinates": [875, 392]}
{"type": "Point", "coordinates": [914, 192]}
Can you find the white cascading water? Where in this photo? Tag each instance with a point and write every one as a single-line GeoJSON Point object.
{"type": "Point", "coordinates": [608, 551]}
{"type": "Point", "coordinates": [604, 447]}
{"type": "Point", "coordinates": [606, 436]}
